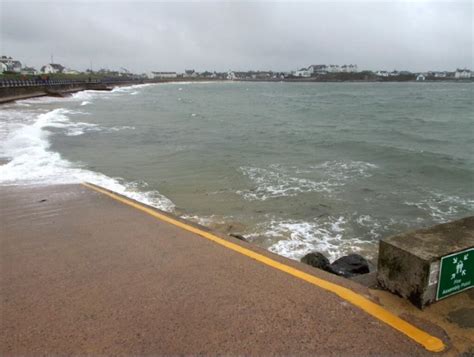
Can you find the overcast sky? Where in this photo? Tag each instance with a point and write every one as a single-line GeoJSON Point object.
{"type": "Point", "coordinates": [171, 36]}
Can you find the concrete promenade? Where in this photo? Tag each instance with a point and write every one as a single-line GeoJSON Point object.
{"type": "Point", "coordinates": [82, 273]}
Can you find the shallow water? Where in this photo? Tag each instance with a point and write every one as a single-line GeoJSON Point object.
{"type": "Point", "coordinates": [332, 167]}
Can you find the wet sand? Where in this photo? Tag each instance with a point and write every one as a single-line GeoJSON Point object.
{"type": "Point", "coordinates": [84, 274]}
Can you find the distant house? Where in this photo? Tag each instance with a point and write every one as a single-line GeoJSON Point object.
{"type": "Point", "coordinates": [440, 74]}
{"type": "Point", "coordinates": [162, 75]}
{"type": "Point", "coordinates": [29, 70]}
{"type": "Point", "coordinates": [351, 68]}
{"type": "Point", "coordinates": [420, 77]}
{"type": "Point", "coordinates": [52, 68]}
{"type": "Point", "coordinates": [303, 72]}
{"type": "Point", "coordinates": [263, 74]}
{"type": "Point", "coordinates": [317, 69]}
{"type": "Point", "coordinates": [190, 73]}
{"type": "Point", "coordinates": [394, 74]}
{"type": "Point", "coordinates": [462, 74]}
{"type": "Point", "coordinates": [231, 75]}
{"type": "Point", "coordinates": [207, 74]}
{"type": "Point", "coordinates": [3, 67]}
{"type": "Point", "coordinates": [15, 66]}
{"type": "Point", "coordinates": [11, 64]}
{"type": "Point", "coordinates": [382, 73]}
{"type": "Point", "coordinates": [333, 68]}
{"type": "Point", "coordinates": [70, 71]}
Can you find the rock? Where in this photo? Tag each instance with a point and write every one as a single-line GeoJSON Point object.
{"type": "Point", "coordinates": [350, 265]}
{"type": "Point", "coordinates": [239, 236]}
{"type": "Point", "coordinates": [316, 259]}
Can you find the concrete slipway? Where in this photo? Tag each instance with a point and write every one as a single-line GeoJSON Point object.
{"type": "Point", "coordinates": [86, 271]}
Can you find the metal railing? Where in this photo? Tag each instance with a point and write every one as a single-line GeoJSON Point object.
{"type": "Point", "coordinates": [10, 83]}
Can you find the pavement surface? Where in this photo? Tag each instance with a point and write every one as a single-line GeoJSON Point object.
{"type": "Point", "coordinates": [84, 274]}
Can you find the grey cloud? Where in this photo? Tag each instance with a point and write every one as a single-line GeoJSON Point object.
{"type": "Point", "coordinates": [145, 36]}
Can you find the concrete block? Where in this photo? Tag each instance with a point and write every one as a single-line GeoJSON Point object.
{"type": "Point", "coordinates": [409, 263]}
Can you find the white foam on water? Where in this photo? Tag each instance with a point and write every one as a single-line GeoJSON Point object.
{"type": "Point", "coordinates": [297, 237]}
{"type": "Point", "coordinates": [341, 171]}
{"type": "Point", "coordinates": [118, 128]}
{"type": "Point", "coordinates": [206, 221]}
{"type": "Point", "coordinates": [272, 182]}
{"type": "Point", "coordinates": [278, 181]}
{"type": "Point", "coordinates": [40, 100]}
{"type": "Point", "coordinates": [32, 161]}
{"type": "Point", "coordinates": [86, 95]}
{"type": "Point", "coordinates": [443, 208]}
{"type": "Point", "coordinates": [374, 227]}
{"type": "Point", "coordinates": [132, 88]}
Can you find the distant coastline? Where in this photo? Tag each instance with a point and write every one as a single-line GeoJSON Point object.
{"type": "Point", "coordinates": [13, 90]}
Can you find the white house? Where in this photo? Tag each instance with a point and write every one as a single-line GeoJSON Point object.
{"type": "Point", "coordinates": [52, 68]}
{"type": "Point", "coordinates": [231, 75]}
{"type": "Point", "coordinates": [318, 69]}
{"type": "Point", "coordinates": [382, 73]}
{"type": "Point", "coordinates": [333, 68]}
{"type": "Point", "coordinates": [161, 75]}
{"type": "Point", "coordinates": [70, 71]}
{"type": "Point", "coordinates": [303, 72]}
{"type": "Point", "coordinates": [349, 68]}
{"type": "Point", "coordinates": [3, 67]}
{"type": "Point", "coordinates": [29, 70]}
{"type": "Point", "coordinates": [12, 65]}
{"type": "Point", "coordinates": [190, 73]}
{"type": "Point", "coordinates": [420, 77]}
{"type": "Point", "coordinates": [462, 74]}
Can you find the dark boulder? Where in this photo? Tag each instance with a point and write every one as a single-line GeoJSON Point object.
{"type": "Point", "coordinates": [350, 265]}
{"type": "Point", "coordinates": [316, 260]}
{"type": "Point", "coordinates": [239, 236]}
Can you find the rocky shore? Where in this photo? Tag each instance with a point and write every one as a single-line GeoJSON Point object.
{"type": "Point", "coordinates": [349, 266]}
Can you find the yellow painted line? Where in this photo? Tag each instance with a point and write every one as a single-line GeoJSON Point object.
{"type": "Point", "coordinates": [429, 342]}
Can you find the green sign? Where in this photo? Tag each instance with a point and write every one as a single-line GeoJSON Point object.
{"type": "Point", "coordinates": [456, 273]}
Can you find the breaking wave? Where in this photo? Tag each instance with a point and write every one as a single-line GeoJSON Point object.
{"type": "Point", "coordinates": [295, 238]}
{"type": "Point", "coordinates": [32, 161]}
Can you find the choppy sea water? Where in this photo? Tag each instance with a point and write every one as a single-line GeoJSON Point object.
{"type": "Point", "coordinates": [332, 167]}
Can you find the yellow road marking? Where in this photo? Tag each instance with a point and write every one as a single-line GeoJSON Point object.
{"type": "Point", "coordinates": [429, 342]}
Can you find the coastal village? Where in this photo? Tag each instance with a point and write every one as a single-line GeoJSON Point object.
{"type": "Point", "coordinates": [12, 68]}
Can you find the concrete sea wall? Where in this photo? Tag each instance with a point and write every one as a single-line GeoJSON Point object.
{"type": "Point", "coordinates": [35, 89]}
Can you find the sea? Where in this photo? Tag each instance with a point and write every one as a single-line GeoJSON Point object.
{"type": "Point", "coordinates": [293, 167]}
